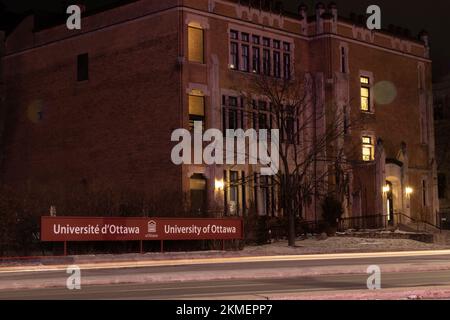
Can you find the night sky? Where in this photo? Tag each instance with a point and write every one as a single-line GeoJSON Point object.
{"type": "Point", "coordinates": [433, 16]}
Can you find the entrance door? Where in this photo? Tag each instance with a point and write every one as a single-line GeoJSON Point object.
{"type": "Point", "coordinates": [198, 194]}
{"type": "Point", "coordinates": [390, 203]}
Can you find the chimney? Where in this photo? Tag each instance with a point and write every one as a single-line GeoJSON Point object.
{"type": "Point", "coordinates": [332, 7]}
{"type": "Point", "coordinates": [424, 37]}
{"type": "Point", "coordinates": [320, 10]}
{"type": "Point", "coordinates": [303, 13]}
{"type": "Point", "coordinates": [333, 10]}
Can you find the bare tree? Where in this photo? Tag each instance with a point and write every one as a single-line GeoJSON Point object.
{"type": "Point", "coordinates": [311, 142]}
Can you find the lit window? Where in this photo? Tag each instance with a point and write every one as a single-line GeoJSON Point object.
{"type": "Point", "coordinates": [195, 44]}
{"type": "Point", "coordinates": [196, 108]}
{"type": "Point", "coordinates": [365, 94]}
{"type": "Point", "coordinates": [367, 149]}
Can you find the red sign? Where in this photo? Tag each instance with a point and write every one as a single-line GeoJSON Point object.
{"type": "Point", "coordinates": [60, 229]}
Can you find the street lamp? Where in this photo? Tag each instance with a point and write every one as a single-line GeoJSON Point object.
{"type": "Point", "coordinates": [409, 191]}
{"type": "Point", "coordinates": [219, 185]}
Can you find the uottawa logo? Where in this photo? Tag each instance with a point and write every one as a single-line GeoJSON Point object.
{"type": "Point", "coordinates": [151, 229]}
{"type": "Point", "coordinates": [236, 147]}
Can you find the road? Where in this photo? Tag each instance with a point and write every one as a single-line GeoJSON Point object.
{"type": "Point", "coordinates": [231, 288]}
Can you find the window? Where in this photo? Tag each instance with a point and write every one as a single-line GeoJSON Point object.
{"type": "Point", "coordinates": [234, 56]}
{"type": "Point", "coordinates": [256, 54]}
{"type": "Point", "coordinates": [83, 67]}
{"type": "Point", "coordinates": [245, 58]}
{"type": "Point", "coordinates": [196, 108]}
{"type": "Point", "coordinates": [343, 60]}
{"type": "Point", "coordinates": [266, 62]}
{"type": "Point", "coordinates": [346, 120]}
{"type": "Point", "coordinates": [195, 44]}
{"type": "Point", "coordinates": [233, 113]}
{"type": "Point", "coordinates": [276, 44]}
{"type": "Point", "coordinates": [276, 64]}
{"type": "Point", "coordinates": [365, 94]}
{"type": "Point", "coordinates": [261, 117]}
{"type": "Point", "coordinates": [235, 193]}
{"type": "Point", "coordinates": [424, 193]}
{"type": "Point", "coordinates": [367, 149]}
{"type": "Point", "coordinates": [287, 66]}
{"type": "Point", "coordinates": [256, 60]}
{"type": "Point", "coordinates": [442, 186]}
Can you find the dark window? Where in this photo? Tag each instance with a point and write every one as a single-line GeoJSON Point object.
{"type": "Point", "coordinates": [245, 58]}
{"type": "Point", "coordinates": [234, 34]}
{"type": "Point", "coordinates": [343, 60]}
{"type": "Point", "coordinates": [256, 40]}
{"type": "Point", "coordinates": [277, 64]}
{"type": "Point", "coordinates": [266, 62]}
{"type": "Point", "coordinates": [287, 66]}
{"type": "Point", "coordinates": [276, 44]}
{"type": "Point", "coordinates": [83, 67]}
{"type": "Point", "coordinates": [245, 37]}
{"type": "Point", "coordinates": [266, 42]}
{"type": "Point", "coordinates": [256, 60]}
{"type": "Point", "coordinates": [234, 56]}
{"type": "Point", "coordinates": [424, 193]}
{"type": "Point", "coordinates": [442, 186]}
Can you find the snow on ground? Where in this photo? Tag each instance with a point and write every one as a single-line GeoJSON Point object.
{"type": "Point", "coordinates": [341, 245]}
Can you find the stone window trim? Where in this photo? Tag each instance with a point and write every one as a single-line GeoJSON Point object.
{"type": "Point", "coordinates": [197, 21]}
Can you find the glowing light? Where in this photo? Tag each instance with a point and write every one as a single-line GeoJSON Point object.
{"type": "Point", "coordinates": [220, 185]}
{"type": "Point", "coordinates": [386, 188]}
{"type": "Point", "coordinates": [409, 191]}
{"type": "Point", "coordinates": [385, 92]}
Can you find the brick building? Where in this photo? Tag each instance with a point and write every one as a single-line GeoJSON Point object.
{"type": "Point", "coordinates": [97, 107]}
{"type": "Point", "coordinates": [441, 90]}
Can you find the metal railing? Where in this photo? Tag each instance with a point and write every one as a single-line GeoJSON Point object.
{"type": "Point", "coordinates": [419, 225]}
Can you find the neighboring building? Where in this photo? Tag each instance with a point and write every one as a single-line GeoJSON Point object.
{"type": "Point", "coordinates": [97, 107]}
{"type": "Point", "coordinates": [441, 91]}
